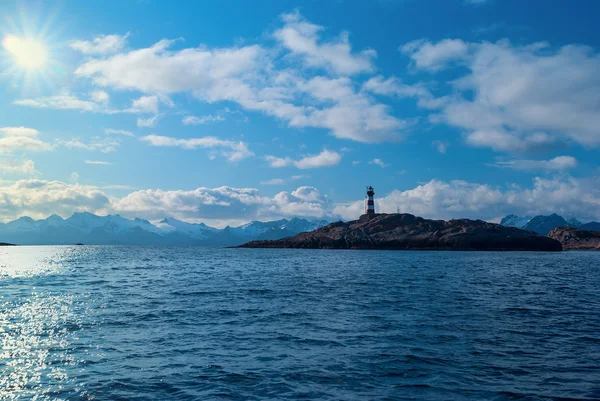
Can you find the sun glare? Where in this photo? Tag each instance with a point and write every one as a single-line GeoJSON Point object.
{"type": "Point", "coordinates": [28, 53]}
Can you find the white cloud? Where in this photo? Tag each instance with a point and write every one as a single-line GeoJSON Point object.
{"type": "Point", "coordinates": [147, 122]}
{"type": "Point", "coordinates": [98, 162]}
{"type": "Point", "coordinates": [110, 131]}
{"type": "Point", "coordinates": [379, 162]}
{"type": "Point", "coordinates": [40, 198]}
{"type": "Point", "coordinates": [274, 181]}
{"type": "Point", "coordinates": [441, 146]}
{"type": "Point", "coordinates": [326, 158]}
{"type": "Point", "coordinates": [104, 145]}
{"type": "Point", "coordinates": [520, 98]}
{"type": "Point", "coordinates": [98, 102]}
{"type": "Point", "coordinates": [100, 45]}
{"type": "Point", "coordinates": [302, 39]}
{"type": "Point", "coordinates": [193, 120]}
{"type": "Point", "coordinates": [17, 139]}
{"type": "Point", "coordinates": [100, 96]}
{"type": "Point", "coordinates": [459, 199]}
{"type": "Point", "coordinates": [436, 199]}
{"type": "Point", "coordinates": [13, 167]}
{"type": "Point", "coordinates": [557, 164]}
{"type": "Point", "coordinates": [247, 75]}
{"type": "Point", "coordinates": [435, 56]}
{"type": "Point", "coordinates": [149, 104]}
{"type": "Point", "coordinates": [304, 201]}
{"type": "Point", "coordinates": [146, 104]}
{"type": "Point", "coordinates": [232, 150]}
{"type": "Point", "coordinates": [393, 86]}
{"type": "Point", "coordinates": [19, 131]}
{"type": "Point", "coordinates": [64, 100]}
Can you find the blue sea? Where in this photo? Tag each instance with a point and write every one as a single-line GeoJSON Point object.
{"type": "Point", "coordinates": [191, 323]}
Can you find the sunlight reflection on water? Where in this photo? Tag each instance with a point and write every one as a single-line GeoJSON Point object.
{"type": "Point", "coordinates": [27, 261]}
{"type": "Point", "coordinates": [38, 327]}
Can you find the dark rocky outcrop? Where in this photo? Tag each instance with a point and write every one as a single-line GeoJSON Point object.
{"type": "Point", "coordinates": [405, 231]}
{"type": "Point", "coordinates": [573, 238]}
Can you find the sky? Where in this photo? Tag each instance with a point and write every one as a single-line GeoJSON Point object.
{"type": "Point", "coordinates": [230, 111]}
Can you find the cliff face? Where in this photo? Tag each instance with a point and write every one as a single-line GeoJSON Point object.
{"type": "Point", "coordinates": [573, 238]}
{"type": "Point", "coordinates": [405, 231]}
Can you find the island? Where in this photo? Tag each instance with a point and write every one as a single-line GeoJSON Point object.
{"type": "Point", "coordinates": [407, 232]}
{"type": "Point", "coordinates": [6, 244]}
{"type": "Point", "coordinates": [576, 239]}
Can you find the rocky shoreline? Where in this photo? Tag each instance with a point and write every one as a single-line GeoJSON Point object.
{"type": "Point", "coordinates": [576, 239]}
{"type": "Point", "coordinates": [408, 232]}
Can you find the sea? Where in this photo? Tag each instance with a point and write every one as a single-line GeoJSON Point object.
{"type": "Point", "coordinates": [193, 323]}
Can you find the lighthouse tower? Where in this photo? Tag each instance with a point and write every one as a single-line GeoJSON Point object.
{"type": "Point", "coordinates": [370, 207]}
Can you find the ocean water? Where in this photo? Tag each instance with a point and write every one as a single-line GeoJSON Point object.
{"type": "Point", "coordinates": [186, 323]}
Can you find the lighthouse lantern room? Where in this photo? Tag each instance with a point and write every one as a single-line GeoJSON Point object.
{"type": "Point", "coordinates": [370, 206]}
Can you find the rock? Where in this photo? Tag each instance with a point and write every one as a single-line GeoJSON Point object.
{"type": "Point", "coordinates": [573, 238]}
{"type": "Point", "coordinates": [405, 231]}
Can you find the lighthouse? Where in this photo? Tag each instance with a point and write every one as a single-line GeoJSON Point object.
{"type": "Point", "coordinates": [370, 207]}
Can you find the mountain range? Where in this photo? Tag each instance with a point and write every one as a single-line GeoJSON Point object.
{"type": "Point", "coordinates": [90, 229]}
{"type": "Point", "coordinates": [544, 224]}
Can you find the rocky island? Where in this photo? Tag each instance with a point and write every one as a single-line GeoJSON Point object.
{"type": "Point", "coordinates": [408, 232]}
{"type": "Point", "coordinates": [576, 239]}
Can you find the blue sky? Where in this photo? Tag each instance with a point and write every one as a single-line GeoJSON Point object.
{"type": "Point", "coordinates": [225, 112]}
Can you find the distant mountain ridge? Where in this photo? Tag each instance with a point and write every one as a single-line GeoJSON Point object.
{"type": "Point", "coordinates": [90, 229]}
{"type": "Point", "coordinates": [544, 224]}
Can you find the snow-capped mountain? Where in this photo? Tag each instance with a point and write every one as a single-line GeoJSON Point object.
{"type": "Point", "coordinates": [90, 229]}
{"type": "Point", "coordinates": [515, 221]}
{"type": "Point", "coordinates": [544, 224]}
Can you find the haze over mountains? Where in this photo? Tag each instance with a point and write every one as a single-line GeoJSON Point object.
{"type": "Point", "coordinates": [544, 224]}
{"type": "Point", "coordinates": [90, 229]}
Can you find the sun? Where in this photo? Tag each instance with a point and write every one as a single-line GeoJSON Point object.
{"type": "Point", "coordinates": [28, 53]}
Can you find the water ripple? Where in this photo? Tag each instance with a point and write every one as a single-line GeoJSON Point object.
{"type": "Point", "coordinates": [185, 323]}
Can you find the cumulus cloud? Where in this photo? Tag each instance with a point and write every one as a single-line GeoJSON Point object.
{"type": "Point", "coordinates": [247, 76]}
{"type": "Point", "coordinates": [225, 205]}
{"type": "Point", "coordinates": [435, 56]}
{"type": "Point", "coordinates": [19, 131]}
{"type": "Point", "coordinates": [518, 98]}
{"type": "Point", "coordinates": [326, 158]}
{"type": "Point", "coordinates": [232, 150]}
{"type": "Point", "coordinates": [39, 199]}
{"type": "Point", "coordinates": [100, 96]}
{"type": "Point", "coordinates": [100, 45]}
{"type": "Point", "coordinates": [302, 38]}
{"type": "Point", "coordinates": [17, 139]}
{"type": "Point", "coordinates": [459, 199]}
{"type": "Point", "coordinates": [556, 164]}
{"type": "Point", "coordinates": [14, 167]}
